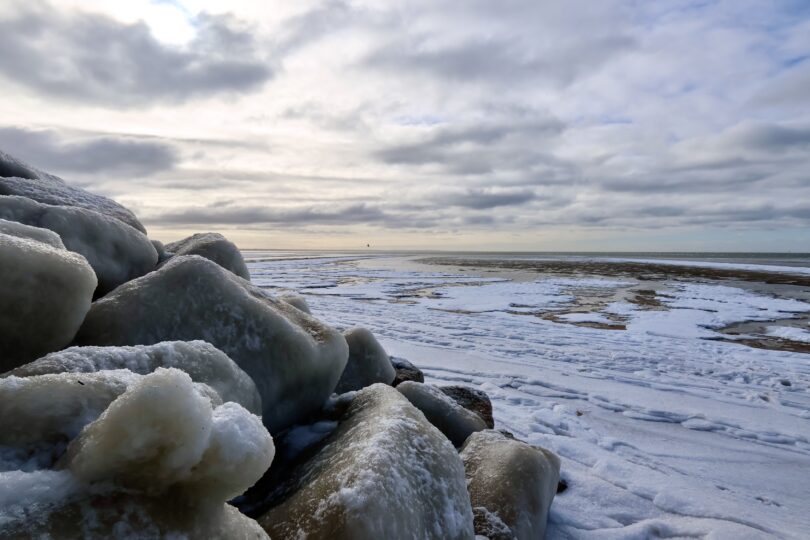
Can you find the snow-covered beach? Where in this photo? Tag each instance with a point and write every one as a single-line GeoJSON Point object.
{"type": "Point", "coordinates": [665, 426]}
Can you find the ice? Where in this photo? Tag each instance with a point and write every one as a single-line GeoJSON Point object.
{"type": "Point", "coordinates": [12, 228]}
{"type": "Point", "coordinates": [790, 333]}
{"type": "Point", "coordinates": [456, 422]}
{"type": "Point", "coordinates": [368, 362]}
{"type": "Point", "coordinates": [385, 472]}
{"type": "Point", "coordinates": [296, 301]}
{"type": "Point", "coordinates": [45, 293]}
{"type": "Point", "coordinates": [116, 251]}
{"type": "Point", "coordinates": [202, 361]}
{"type": "Point", "coordinates": [18, 178]}
{"type": "Point", "coordinates": [585, 318]}
{"type": "Point", "coordinates": [510, 483]}
{"type": "Point", "coordinates": [214, 247]}
{"type": "Point", "coordinates": [295, 360]}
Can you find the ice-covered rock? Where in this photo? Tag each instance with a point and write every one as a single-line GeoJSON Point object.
{"type": "Point", "coordinates": [116, 251]}
{"type": "Point", "coordinates": [383, 473]}
{"type": "Point", "coordinates": [214, 247]}
{"type": "Point", "coordinates": [511, 485]}
{"type": "Point", "coordinates": [202, 361]}
{"type": "Point", "coordinates": [294, 359]}
{"type": "Point", "coordinates": [163, 255]}
{"type": "Point", "coordinates": [297, 301]}
{"type": "Point", "coordinates": [159, 462]}
{"type": "Point", "coordinates": [368, 362]}
{"type": "Point", "coordinates": [473, 400]}
{"type": "Point", "coordinates": [45, 293]}
{"type": "Point", "coordinates": [18, 178]}
{"type": "Point", "coordinates": [456, 422]}
{"type": "Point", "coordinates": [405, 371]}
{"type": "Point", "coordinates": [12, 228]}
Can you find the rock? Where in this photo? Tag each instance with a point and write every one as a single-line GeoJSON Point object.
{"type": "Point", "coordinates": [294, 359]}
{"type": "Point", "coordinates": [511, 485]}
{"type": "Point", "coordinates": [160, 461]}
{"type": "Point", "coordinates": [405, 371]}
{"type": "Point", "coordinates": [368, 362]}
{"type": "Point", "coordinates": [45, 293]}
{"type": "Point", "coordinates": [456, 422]}
{"type": "Point", "coordinates": [12, 228]}
{"type": "Point", "coordinates": [18, 178]}
{"type": "Point", "coordinates": [473, 400]}
{"type": "Point", "coordinates": [116, 251]}
{"type": "Point", "coordinates": [383, 473]}
{"type": "Point", "coordinates": [202, 361]}
{"type": "Point", "coordinates": [160, 249]}
{"type": "Point", "coordinates": [296, 301]}
{"type": "Point", "coordinates": [214, 247]}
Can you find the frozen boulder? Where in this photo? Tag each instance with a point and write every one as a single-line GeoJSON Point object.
{"type": "Point", "coordinates": [12, 228]}
{"type": "Point", "coordinates": [384, 472]}
{"type": "Point", "coordinates": [45, 293]}
{"type": "Point", "coordinates": [296, 301]}
{"type": "Point", "coordinates": [202, 361]}
{"type": "Point", "coordinates": [163, 255]}
{"type": "Point", "coordinates": [368, 362]}
{"type": "Point", "coordinates": [511, 485]}
{"type": "Point", "coordinates": [116, 251]}
{"type": "Point", "coordinates": [294, 360]}
{"type": "Point", "coordinates": [473, 400]}
{"type": "Point", "coordinates": [456, 422]}
{"type": "Point", "coordinates": [18, 178]}
{"type": "Point", "coordinates": [405, 371]}
{"type": "Point", "coordinates": [214, 247]}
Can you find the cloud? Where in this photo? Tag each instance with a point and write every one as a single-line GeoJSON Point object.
{"type": "Point", "coordinates": [90, 58]}
{"type": "Point", "coordinates": [95, 154]}
{"type": "Point", "coordinates": [481, 199]}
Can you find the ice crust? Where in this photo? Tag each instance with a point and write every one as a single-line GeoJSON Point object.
{"type": "Point", "coordinates": [116, 251]}
{"type": "Point", "coordinates": [45, 293]}
{"type": "Point", "coordinates": [385, 472]}
{"type": "Point", "coordinates": [456, 422]}
{"type": "Point", "coordinates": [368, 362]}
{"type": "Point", "coordinates": [294, 359]}
{"type": "Point", "coordinates": [18, 178]}
{"type": "Point", "coordinates": [12, 228]}
{"type": "Point", "coordinates": [214, 247]}
{"type": "Point", "coordinates": [297, 301]}
{"type": "Point", "coordinates": [202, 361]}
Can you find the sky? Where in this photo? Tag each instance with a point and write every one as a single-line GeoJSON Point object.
{"type": "Point", "coordinates": [574, 125]}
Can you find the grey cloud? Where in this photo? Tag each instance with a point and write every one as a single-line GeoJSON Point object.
{"type": "Point", "coordinates": [103, 154]}
{"type": "Point", "coordinates": [239, 215]}
{"type": "Point", "coordinates": [479, 199]}
{"type": "Point", "coordinates": [91, 58]}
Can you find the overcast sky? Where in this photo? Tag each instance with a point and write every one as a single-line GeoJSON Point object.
{"type": "Point", "coordinates": [455, 124]}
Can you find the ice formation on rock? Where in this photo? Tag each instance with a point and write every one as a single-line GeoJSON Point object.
{"type": "Point", "coordinates": [294, 359]}
{"type": "Point", "coordinates": [45, 293]}
{"type": "Point", "coordinates": [456, 422]}
{"type": "Point", "coordinates": [18, 178]}
{"type": "Point", "coordinates": [12, 228]}
{"type": "Point", "coordinates": [368, 362]}
{"type": "Point", "coordinates": [214, 247]}
{"type": "Point", "coordinates": [297, 301]}
{"type": "Point", "coordinates": [473, 400]}
{"type": "Point", "coordinates": [202, 361]}
{"type": "Point", "coordinates": [116, 251]}
{"type": "Point", "coordinates": [384, 472]}
{"type": "Point", "coordinates": [511, 485]}
{"type": "Point", "coordinates": [405, 371]}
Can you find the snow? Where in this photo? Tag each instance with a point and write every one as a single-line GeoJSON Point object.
{"type": "Point", "coordinates": [790, 333]}
{"type": "Point", "coordinates": [661, 432]}
{"type": "Point", "coordinates": [46, 292]}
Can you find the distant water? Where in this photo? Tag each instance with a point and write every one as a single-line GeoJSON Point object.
{"type": "Point", "coordinates": [776, 259]}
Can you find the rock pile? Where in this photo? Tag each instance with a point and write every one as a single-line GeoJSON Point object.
{"type": "Point", "coordinates": [153, 391]}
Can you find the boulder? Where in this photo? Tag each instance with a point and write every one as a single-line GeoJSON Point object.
{"type": "Point", "coordinates": [511, 485]}
{"type": "Point", "coordinates": [12, 228]}
{"type": "Point", "coordinates": [45, 293]}
{"type": "Point", "coordinates": [163, 255]}
{"type": "Point", "coordinates": [473, 400]}
{"type": "Point", "coordinates": [456, 422]}
{"type": "Point", "coordinates": [214, 247]}
{"type": "Point", "coordinates": [405, 371]}
{"type": "Point", "coordinates": [368, 362]}
{"type": "Point", "coordinates": [18, 178]}
{"type": "Point", "coordinates": [384, 472]}
{"type": "Point", "coordinates": [297, 301]}
{"type": "Point", "coordinates": [295, 360]}
{"type": "Point", "coordinates": [202, 361]}
{"type": "Point", "coordinates": [116, 251]}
